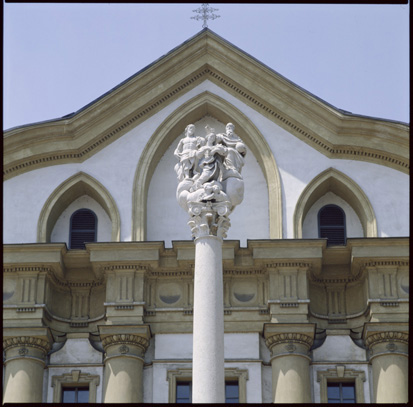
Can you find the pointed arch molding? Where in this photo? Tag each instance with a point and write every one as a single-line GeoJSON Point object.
{"type": "Point", "coordinates": [332, 180]}
{"type": "Point", "coordinates": [74, 187]}
{"type": "Point", "coordinates": [195, 109]}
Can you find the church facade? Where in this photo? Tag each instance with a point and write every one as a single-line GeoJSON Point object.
{"type": "Point", "coordinates": [98, 263]}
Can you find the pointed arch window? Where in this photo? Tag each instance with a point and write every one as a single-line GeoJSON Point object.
{"type": "Point", "coordinates": [332, 225]}
{"type": "Point", "coordinates": [83, 228]}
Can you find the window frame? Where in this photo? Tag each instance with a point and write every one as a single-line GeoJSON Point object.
{"type": "Point", "coordinates": [74, 387]}
{"type": "Point", "coordinates": [340, 386]}
{"type": "Point", "coordinates": [341, 374]}
{"type": "Point", "coordinates": [75, 379]}
{"type": "Point", "coordinates": [185, 375]}
{"type": "Point", "coordinates": [332, 226]}
{"type": "Point", "coordinates": [86, 230]}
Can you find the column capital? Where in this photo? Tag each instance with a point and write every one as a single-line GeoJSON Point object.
{"type": "Point", "coordinates": [39, 339]}
{"type": "Point", "coordinates": [124, 340]}
{"type": "Point", "coordinates": [385, 339]}
{"type": "Point", "coordinates": [376, 333]}
{"type": "Point", "coordinates": [289, 338]}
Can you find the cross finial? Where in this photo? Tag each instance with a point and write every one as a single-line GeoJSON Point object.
{"type": "Point", "coordinates": [205, 13]}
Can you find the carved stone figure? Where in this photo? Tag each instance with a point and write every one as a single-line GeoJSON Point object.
{"type": "Point", "coordinates": [209, 171]}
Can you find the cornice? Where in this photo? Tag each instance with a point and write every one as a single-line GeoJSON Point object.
{"type": "Point", "coordinates": [325, 128]}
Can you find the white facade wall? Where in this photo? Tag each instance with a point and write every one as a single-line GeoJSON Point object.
{"type": "Point", "coordinates": [76, 354]}
{"type": "Point", "coordinates": [61, 229]}
{"type": "Point", "coordinates": [115, 167]}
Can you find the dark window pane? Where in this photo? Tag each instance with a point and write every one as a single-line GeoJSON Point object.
{"type": "Point", "coordinates": [82, 228]}
{"type": "Point", "coordinates": [83, 396]}
{"type": "Point", "coordinates": [332, 225]}
{"type": "Point", "coordinates": [348, 391]}
{"type": "Point", "coordinates": [183, 392]}
{"type": "Point", "coordinates": [333, 391]}
{"type": "Point", "coordinates": [68, 395]}
{"type": "Point", "coordinates": [231, 390]}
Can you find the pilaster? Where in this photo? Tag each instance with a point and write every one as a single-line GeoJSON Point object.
{"type": "Point", "coordinates": [25, 350]}
{"type": "Point", "coordinates": [125, 347]}
{"type": "Point", "coordinates": [388, 355]}
{"type": "Point", "coordinates": [289, 345]}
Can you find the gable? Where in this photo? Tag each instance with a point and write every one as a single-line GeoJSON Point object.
{"type": "Point", "coordinates": [206, 56]}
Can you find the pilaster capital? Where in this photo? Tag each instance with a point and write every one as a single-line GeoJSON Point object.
{"type": "Point", "coordinates": [27, 342]}
{"type": "Point", "coordinates": [375, 333]}
{"type": "Point", "coordinates": [125, 340]}
{"type": "Point", "coordinates": [386, 338]}
{"type": "Point", "coordinates": [284, 339]}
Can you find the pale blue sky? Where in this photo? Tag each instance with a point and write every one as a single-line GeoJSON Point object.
{"type": "Point", "coordinates": [60, 57]}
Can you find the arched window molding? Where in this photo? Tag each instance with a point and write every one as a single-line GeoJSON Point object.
{"type": "Point", "coordinates": [195, 109]}
{"type": "Point", "coordinates": [343, 186]}
{"type": "Point", "coordinates": [74, 187]}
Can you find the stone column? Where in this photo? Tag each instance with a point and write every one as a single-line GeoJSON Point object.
{"type": "Point", "coordinates": [289, 345]}
{"type": "Point", "coordinates": [208, 372]}
{"type": "Point", "coordinates": [125, 348]}
{"type": "Point", "coordinates": [26, 351]}
{"type": "Point", "coordinates": [209, 171]}
{"type": "Point", "coordinates": [388, 351]}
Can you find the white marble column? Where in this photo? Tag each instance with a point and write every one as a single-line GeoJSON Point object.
{"type": "Point", "coordinates": [209, 171]}
{"type": "Point", "coordinates": [208, 358]}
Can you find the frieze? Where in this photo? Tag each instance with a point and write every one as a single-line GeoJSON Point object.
{"type": "Point", "coordinates": [244, 272]}
{"type": "Point", "coordinates": [126, 267]}
{"type": "Point", "coordinates": [288, 264]}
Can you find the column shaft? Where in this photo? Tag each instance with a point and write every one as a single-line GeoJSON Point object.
{"type": "Point", "coordinates": [125, 347]}
{"type": "Point", "coordinates": [123, 380]}
{"type": "Point", "coordinates": [208, 341]}
{"type": "Point", "coordinates": [291, 379]}
{"type": "Point", "coordinates": [23, 381]}
{"type": "Point", "coordinates": [24, 364]}
{"type": "Point", "coordinates": [390, 383]}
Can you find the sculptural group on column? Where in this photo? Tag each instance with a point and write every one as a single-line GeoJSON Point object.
{"type": "Point", "coordinates": [210, 181]}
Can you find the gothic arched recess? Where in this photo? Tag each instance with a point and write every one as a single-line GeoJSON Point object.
{"type": "Point", "coordinates": [195, 109]}
{"type": "Point", "coordinates": [343, 186]}
{"type": "Point", "coordinates": [69, 190]}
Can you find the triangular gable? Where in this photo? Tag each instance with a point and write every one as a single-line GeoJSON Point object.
{"type": "Point", "coordinates": [333, 132]}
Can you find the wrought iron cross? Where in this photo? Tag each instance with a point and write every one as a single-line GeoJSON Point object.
{"type": "Point", "coordinates": [205, 13]}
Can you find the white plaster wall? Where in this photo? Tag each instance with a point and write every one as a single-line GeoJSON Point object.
{"type": "Point", "coordinates": [179, 346]}
{"type": "Point", "coordinates": [76, 354]}
{"type": "Point", "coordinates": [76, 351]}
{"type": "Point", "coordinates": [147, 384]}
{"type": "Point", "coordinates": [168, 221]}
{"type": "Point", "coordinates": [339, 348]}
{"type": "Point", "coordinates": [115, 166]}
{"type": "Point", "coordinates": [61, 229]}
{"type": "Point", "coordinates": [310, 224]}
